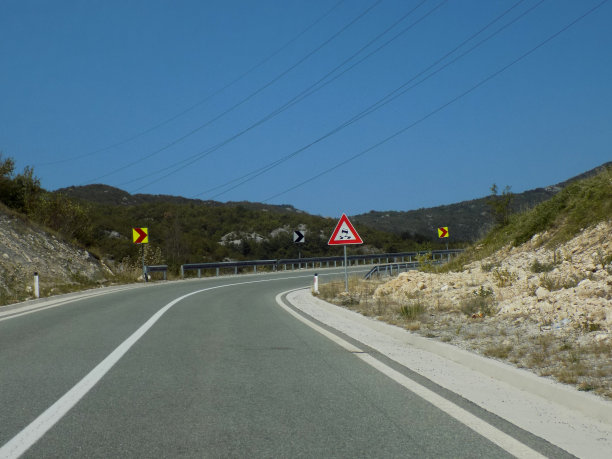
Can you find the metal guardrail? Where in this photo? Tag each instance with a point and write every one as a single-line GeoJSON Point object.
{"type": "Point", "coordinates": [388, 269]}
{"type": "Point", "coordinates": [225, 264]}
{"type": "Point", "coordinates": [284, 264]}
{"type": "Point", "coordinates": [157, 268]}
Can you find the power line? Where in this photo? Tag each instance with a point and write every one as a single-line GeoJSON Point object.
{"type": "Point", "coordinates": [389, 97]}
{"type": "Point", "coordinates": [202, 101]}
{"type": "Point", "coordinates": [241, 102]}
{"type": "Point", "coordinates": [293, 101]}
{"type": "Point", "coordinates": [440, 108]}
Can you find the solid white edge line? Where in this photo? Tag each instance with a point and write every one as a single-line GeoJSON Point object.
{"type": "Point", "coordinates": [57, 302]}
{"type": "Point", "coordinates": [491, 433]}
{"type": "Point", "coordinates": [34, 431]}
{"type": "Point", "coordinates": [7, 315]}
{"type": "Point", "coordinates": [20, 443]}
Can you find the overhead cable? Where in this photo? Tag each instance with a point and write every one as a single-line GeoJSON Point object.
{"type": "Point", "coordinates": [242, 101]}
{"type": "Point", "coordinates": [389, 97]}
{"type": "Point", "coordinates": [200, 102]}
{"type": "Point", "coordinates": [316, 86]}
{"type": "Point", "coordinates": [441, 107]}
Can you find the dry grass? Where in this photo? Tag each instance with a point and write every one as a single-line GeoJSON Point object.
{"type": "Point", "coordinates": [569, 355]}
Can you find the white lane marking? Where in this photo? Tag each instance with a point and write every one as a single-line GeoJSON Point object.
{"type": "Point", "coordinates": [31, 309]}
{"type": "Point", "coordinates": [21, 442]}
{"type": "Point", "coordinates": [57, 303]}
{"type": "Point", "coordinates": [491, 433]}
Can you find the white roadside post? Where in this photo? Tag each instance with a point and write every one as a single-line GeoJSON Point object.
{"type": "Point", "coordinates": [316, 283]}
{"type": "Point", "coordinates": [36, 286]}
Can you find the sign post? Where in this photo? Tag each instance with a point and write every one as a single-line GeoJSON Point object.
{"type": "Point", "coordinates": [141, 236]}
{"type": "Point", "coordinates": [345, 234]}
{"type": "Point", "coordinates": [299, 238]}
{"type": "Point", "coordinates": [443, 233]}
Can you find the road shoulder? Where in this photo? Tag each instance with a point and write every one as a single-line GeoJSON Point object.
{"type": "Point", "coordinates": [578, 422]}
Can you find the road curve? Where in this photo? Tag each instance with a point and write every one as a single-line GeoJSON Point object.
{"type": "Point", "coordinates": [211, 368]}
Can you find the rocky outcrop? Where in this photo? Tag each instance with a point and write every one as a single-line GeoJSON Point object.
{"type": "Point", "coordinates": [570, 285]}
{"type": "Point", "coordinates": [25, 250]}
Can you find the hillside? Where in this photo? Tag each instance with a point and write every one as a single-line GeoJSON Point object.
{"type": "Point", "coordinates": [190, 230]}
{"type": "Point", "coordinates": [26, 248]}
{"type": "Point", "coordinates": [108, 195]}
{"type": "Point", "coordinates": [468, 220]}
{"type": "Point", "coordinates": [536, 292]}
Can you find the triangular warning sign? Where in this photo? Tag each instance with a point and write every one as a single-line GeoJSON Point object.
{"type": "Point", "coordinates": [344, 233]}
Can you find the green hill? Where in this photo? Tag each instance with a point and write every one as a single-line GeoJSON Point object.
{"type": "Point", "coordinates": [468, 220]}
{"type": "Point", "coordinates": [581, 203]}
{"type": "Point", "coordinates": [191, 230]}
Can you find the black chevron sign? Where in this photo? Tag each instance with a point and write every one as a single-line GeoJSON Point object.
{"type": "Point", "coordinates": [298, 237]}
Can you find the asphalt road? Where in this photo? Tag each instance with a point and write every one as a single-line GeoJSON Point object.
{"type": "Point", "coordinates": [225, 372]}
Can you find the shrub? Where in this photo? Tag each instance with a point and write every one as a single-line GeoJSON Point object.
{"type": "Point", "coordinates": [480, 303]}
{"type": "Point", "coordinates": [412, 311]}
{"type": "Point", "coordinates": [488, 267]}
{"type": "Point", "coordinates": [552, 284]}
{"type": "Point", "coordinates": [499, 351]}
{"type": "Point", "coordinates": [503, 277]}
{"type": "Point", "coordinates": [537, 267]}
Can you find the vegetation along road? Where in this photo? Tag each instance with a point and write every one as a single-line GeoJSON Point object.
{"type": "Point", "coordinates": [222, 367]}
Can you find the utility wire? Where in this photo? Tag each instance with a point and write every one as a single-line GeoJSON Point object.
{"type": "Point", "coordinates": [241, 102]}
{"type": "Point", "coordinates": [202, 101]}
{"type": "Point", "coordinates": [389, 97]}
{"type": "Point", "coordinates": [441, 107]}
{"type": "Point", "coordinates": [296, 99]}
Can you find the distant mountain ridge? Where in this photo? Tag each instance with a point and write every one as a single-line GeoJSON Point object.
{"type": "Point", "coordinates": [467, 220]}
{"type": "Point", "coordinates": [109, 195]}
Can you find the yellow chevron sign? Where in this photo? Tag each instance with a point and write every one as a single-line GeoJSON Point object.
{"type": "Point", "coordinates": [140, 235]}
{"type": "Point", "coordinates": [443, 231]}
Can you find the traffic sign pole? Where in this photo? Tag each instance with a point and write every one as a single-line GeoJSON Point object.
{"type": "Point", "coordinates": [345, 271]}
{"type": "Point", "coordinates": [144, 268]}
{"type": "Point", "coordinates": [141, 236]}
{"type": "Point", "coordinates": [345, 234]}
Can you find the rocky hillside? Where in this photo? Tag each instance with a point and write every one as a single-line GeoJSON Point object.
{"type": "Point", "coordinates": [536, 292]}
{"type": "Point", "coordinates": [26, 249]}
{"type": "Point", "coordinates": [568, 286]}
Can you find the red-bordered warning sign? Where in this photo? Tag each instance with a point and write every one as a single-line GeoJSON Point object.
{"type": "Point", "coordinates": [345, 233]}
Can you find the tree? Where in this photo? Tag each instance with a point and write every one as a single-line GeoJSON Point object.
{"type": "Point", "coordinates": [500, 204]}
{"type": "Point", "coordinates": [19, 192]}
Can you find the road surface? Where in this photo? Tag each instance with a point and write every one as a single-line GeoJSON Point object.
{"type": "Point", "coordinates": [218, 368]}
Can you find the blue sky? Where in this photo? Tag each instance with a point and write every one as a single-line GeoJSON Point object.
{"type": "Point", "coordinates": [201, 98]}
